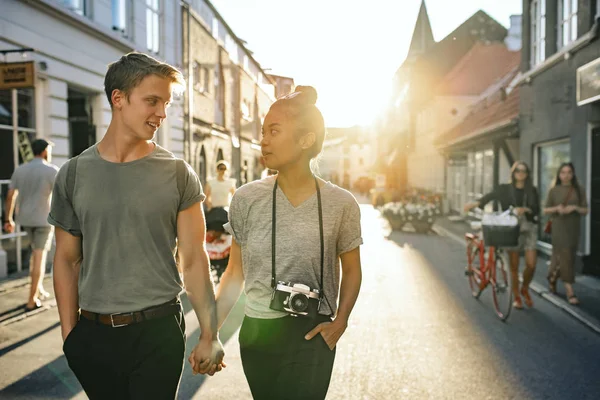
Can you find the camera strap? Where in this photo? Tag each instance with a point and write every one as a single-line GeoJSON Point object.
{"type": "Point", "coordinates": [273, 237]}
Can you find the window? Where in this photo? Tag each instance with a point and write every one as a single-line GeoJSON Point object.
{"type": "Point", "coordinates": [567, 22]}
{"type": "Point", "coordinates": [153, 25]}
{"type": "Point", "coordinates": [538, 31]}
{"type": "Point", "coordinates": [246, 107]}
{"type": "Point", "coordinates": [201, 77]}
{"type": "Point", "coordinates": [549, 157]}
{"type": "Point", "coordinates": [80, 7]}
{"type": "Point", "coordinates": [121, 17]}
{"type": "Point", "coordinates": [21, 102]}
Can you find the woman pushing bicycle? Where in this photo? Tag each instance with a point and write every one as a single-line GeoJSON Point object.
{"type": "Point", "coordinates": [520, 194]}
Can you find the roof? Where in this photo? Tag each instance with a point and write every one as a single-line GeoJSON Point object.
{"type": "Point", "coordinates": [422, 38]}
{"type": "Point", "coordinates": [426, 71]}
{"type": "Point", "coordinates": [484, 64]}
{"type": "Point", "coordinates": [496, 111]}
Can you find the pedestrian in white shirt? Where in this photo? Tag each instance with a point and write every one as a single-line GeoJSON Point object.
{"type": "Point", "coordinates": [220, 189]}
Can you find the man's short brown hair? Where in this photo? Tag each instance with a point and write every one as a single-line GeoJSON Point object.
{"type": "Point", "coordinates": [132, 68]}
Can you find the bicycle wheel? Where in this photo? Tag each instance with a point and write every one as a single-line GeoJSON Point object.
{"type": "Point", "coordinates": [501, 290]}
{"type": "Point", "coordinates": [473, 271]}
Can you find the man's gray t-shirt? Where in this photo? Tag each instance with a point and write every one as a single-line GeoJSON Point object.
{"type": "Point", "coordinates": [298, 253]}
{"type": "Point", "coordinates": [34, 182]}
{"type": "Point", "coordinates": [126, 214]}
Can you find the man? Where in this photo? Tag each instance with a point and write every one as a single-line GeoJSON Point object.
{"type": "Point", "coordinates": [117, 217]}
{"type": "Point", "coordinates": [30, 190]}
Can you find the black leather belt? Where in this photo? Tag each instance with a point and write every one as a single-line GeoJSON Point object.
{"type": "Point", "coordinates": [123, 319]}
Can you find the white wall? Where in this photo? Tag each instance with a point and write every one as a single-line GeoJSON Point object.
{"type": "Point", "coordinates": [426, 166]}
{"type": "Point", "coordinates": [78, 57]}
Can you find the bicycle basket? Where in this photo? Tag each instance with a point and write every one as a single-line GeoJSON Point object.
{"type": "Point", "coordinates": [500, 230]}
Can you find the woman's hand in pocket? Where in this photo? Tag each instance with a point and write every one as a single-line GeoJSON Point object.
{"type": "Point", "coordinates": [330, 331]}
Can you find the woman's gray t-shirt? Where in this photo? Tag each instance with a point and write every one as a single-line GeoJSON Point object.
{"type": "Point", "coordinates": [298, 252]}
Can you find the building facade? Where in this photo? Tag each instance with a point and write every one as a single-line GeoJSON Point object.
{"type": "Point", "coordinates": [72, 43]}
{"type": "Point", "coordinates": [229, 95]}
{"type": "Point", "coordinates": [414, 86]}
{"type": "Point", "coordinates": [559, 111]}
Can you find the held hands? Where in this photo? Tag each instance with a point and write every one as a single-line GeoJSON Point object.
{"type": "Point", "coordinates": [564, 210]}
{"type": "Point", "coordinates": [570, 209]}
{"type": "Point", "coordinates": [330, 331]}
{"type": "Point", "coordinates": [207, 357]}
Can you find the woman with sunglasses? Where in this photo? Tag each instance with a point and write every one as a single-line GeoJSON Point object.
{"type": "Point", "coordinates": [566, 203]}
{"type": "Point", "coordinates": [291, 230]}
{"type": "Point", "coordinates": [523, 197]}
{"type": "Point", "coordinates": [220, 189]}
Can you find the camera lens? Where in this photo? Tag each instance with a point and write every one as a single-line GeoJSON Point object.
{"type": "Point", "coordinates": [299, 302]}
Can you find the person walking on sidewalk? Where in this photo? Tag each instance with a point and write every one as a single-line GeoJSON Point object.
{"type": "Point", "coordinates": [523, 196]}
{"type": "Point", "coordinates": [290, 231]}
{"type": "Point", "coordinates": [220, 189]}
{"type": "Point", "coordinates": [115, 249]}
{"type": "Point", "coordinates": [30, 191]}
{"type": "Point", "coordinates": [566, 203]}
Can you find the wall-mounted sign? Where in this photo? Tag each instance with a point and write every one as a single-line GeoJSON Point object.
{"type": "Point", "coordinates": [25, 147]}
{"type": "Point", "coordinates": [16, 75]}
{"type": "Point", "coordinates": [588, 83]}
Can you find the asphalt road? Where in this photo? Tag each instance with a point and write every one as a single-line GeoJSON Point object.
{"type": "Point", "coordinates": [415, 333]}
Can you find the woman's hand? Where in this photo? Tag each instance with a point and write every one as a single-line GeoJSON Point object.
{"type": "Point", "coordinates": [469, 206]}
{"type": "Point", "coordinates": [521, 210]}
{"type": "Point", "coordinates": [331, 331]}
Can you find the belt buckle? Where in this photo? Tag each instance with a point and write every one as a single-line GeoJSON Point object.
{"type": "Point", "coordinates": [112, 321]}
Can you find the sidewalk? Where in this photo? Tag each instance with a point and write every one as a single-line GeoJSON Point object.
{"type": "Point", "coordinates": [587, 288]}
{"type": "Point", "coordinates": [14, 291]}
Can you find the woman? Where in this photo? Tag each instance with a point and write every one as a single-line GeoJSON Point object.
{"type": "Point", "coordinates": [219, 190]}
{"type": "Point", "coordinates": [566, 203]}
{"type": "Point", "coordinates": [522, 195]}
{"type": "Point", "coordinates": [310, 224]}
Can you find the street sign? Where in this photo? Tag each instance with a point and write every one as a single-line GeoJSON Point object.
{"type": "Point", "coordinates": [16, 75]}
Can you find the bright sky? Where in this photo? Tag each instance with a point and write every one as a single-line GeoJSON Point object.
{"type": "Point", "coordinates": [347, 49]}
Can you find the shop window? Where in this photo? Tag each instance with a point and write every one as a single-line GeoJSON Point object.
{"type": "Point", "coordinates": [549, 157]}
{"type": "Point", "coordinates": [21, 101]}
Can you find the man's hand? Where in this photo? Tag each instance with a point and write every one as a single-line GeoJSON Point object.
{"type": "Point", "coordinates": [331, 331]}
{"type": "Point", "coordinates": [207, 357]}
{"type": "Point", "coordinates": [9, 226]}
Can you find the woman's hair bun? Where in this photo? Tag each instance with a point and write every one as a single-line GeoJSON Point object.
{"type": "Point", "coordinates": [309, 93]}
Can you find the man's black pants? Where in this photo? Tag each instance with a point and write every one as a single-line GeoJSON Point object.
{"type": "Point", "coordinates": [138, 361]}
{"type": "Point", "coordinates": [280, 364]}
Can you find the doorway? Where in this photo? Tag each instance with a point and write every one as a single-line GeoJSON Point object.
{"type": "Point", "coordinates": [593, 260]}
{"type": "Point", "coordinates": [82, 132]}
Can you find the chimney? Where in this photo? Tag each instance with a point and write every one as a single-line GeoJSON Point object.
{"type": "Point", "coordinates": [513, 39]}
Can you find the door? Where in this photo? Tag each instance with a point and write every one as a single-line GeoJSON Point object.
{"type": "Point", "coordinates": [595, 205]}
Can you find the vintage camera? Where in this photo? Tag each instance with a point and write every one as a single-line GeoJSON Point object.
{"type": "Point", "coordinates": [296, 299]}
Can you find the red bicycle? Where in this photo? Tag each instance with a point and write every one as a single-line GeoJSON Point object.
{"type": "Point", "coordinates": [486, 267]}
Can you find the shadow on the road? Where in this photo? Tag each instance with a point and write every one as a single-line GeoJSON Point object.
{"type": "Point", "coordinates": [52, 381]}
{"type": "Point", "coordinates": [544, 332]}
{"type": "Point", "coordinates": [22, 342]}
{"type": "Point", "coordinates": [12, 312]}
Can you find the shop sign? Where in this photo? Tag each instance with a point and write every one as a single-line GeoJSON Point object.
{"type": "Point", "coordinates": [25, 147]}
{"type": "Point", "coordinates": [16, 75]}
{"type": "Point", "coordinates": [588, 83]}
